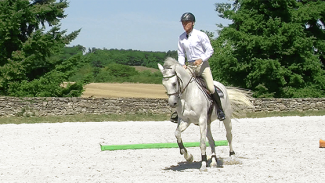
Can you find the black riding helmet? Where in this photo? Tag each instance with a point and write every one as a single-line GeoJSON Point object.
{"type": "Point", "coordinates": [188, 17]}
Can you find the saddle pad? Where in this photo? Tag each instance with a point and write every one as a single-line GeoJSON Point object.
{"type": "Point", "coordinates": [220, 93]}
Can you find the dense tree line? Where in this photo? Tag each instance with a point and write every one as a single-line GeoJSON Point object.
{"type": "Point", "coordinates": [114, 65]}
{"type": "Point", "coordinates": [129, 57]}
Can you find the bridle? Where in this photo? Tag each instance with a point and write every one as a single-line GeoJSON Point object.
{"type": "Point", "coordinates": [180, 91]}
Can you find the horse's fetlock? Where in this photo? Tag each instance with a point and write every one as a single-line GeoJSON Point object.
{"type": "Point", "coordinates": [188, 157]}
{"type": "Point", "coordinates": [214, 157]}
{"type": "Point", "coordinates": [204, 157]}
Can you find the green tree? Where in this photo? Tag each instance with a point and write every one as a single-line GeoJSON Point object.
{"type": "Point", "coordinates": [28, 65]}
{"type": "Point", "coordinates": [272, 47]}
{"type": "Point", "coordinates": [313, 13]}
{"type": "Point", "coordinates": [119, 70]}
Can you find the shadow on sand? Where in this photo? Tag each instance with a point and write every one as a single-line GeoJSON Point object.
{"type": "Point", "coordinates": [181, 166]}
{"type": "Point", "coordinates": [184, 165]}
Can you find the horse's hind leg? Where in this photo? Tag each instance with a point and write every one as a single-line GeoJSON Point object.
{"type": "Point", "coordinates": [228, 126]}
{"type": "Point", "coordinates": [180, 128]}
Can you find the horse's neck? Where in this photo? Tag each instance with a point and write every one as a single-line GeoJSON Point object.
{"type": "Point", "coordinates": [188, 84]}
{"type": "Point", "coordinates": [184, 76]}
{"type": "Point", "coordinates": [192, 95]}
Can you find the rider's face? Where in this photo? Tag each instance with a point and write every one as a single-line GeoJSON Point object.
{"type": "Point", "coordinates": [188, 26]}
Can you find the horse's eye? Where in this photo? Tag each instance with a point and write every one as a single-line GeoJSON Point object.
{"type": "Point", "coordinates": [174, 84]}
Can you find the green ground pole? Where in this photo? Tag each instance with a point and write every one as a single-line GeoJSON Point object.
{"type": "Point", "coordinates": [157, 145]}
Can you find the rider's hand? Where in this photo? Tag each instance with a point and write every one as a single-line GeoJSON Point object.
{"type": "Point", "coordinates": [198, 62]}
{"type": "Point", "coordinates": [184, 66]}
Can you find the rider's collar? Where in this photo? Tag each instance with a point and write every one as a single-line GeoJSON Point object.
{"type": "Point", "coordinates": [189, 34]}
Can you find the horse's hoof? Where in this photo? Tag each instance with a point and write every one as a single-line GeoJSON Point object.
{"type": "Point", "coordinates": [216, 162]}
{"type": "Point", "coordinates": [204, 167]}
{"type": "Point", "coordinates": [213, 165]}
{"type": "Point", "coordinates": [189, 158]}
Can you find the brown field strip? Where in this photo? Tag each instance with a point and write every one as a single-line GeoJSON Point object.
{"type": "Point", "coordinates": [124, 90]}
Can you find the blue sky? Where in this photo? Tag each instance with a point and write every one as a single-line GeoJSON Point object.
{"type": "Point", "coordinates": [147, 25]}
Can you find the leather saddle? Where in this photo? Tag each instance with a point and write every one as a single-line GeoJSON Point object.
{"type": "Point", "coordinates": [203, 84]}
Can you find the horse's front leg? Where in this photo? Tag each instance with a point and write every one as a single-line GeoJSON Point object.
{"type": "Point", "coordinates": [228, 126]}
{"type": "Point", "coordinates": [183, 151]}
{"type": "Point", "coordinates": [214, 161]}
{"type": "Point", "coordinates": [203, 135]}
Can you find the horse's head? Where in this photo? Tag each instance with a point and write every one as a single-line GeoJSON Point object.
{"type": "Point", "coordinates": [170, 80]}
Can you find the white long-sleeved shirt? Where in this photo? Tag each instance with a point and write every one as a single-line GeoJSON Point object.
{"type": "Point", "coordinates": [196, 46]}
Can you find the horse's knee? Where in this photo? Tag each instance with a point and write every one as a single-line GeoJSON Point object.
{"type": "Point", "coordinates": [177, 134]}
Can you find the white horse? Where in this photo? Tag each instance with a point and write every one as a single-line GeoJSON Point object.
{"type": "Point", "coordinates": [193, 105]}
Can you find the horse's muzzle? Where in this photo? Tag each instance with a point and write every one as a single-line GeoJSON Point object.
{"type": "Point", "coordinates": [172, 101]}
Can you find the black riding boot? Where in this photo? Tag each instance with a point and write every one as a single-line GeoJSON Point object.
{"type": "Point", "coordinates": [221, 114]}
{"type": "Point", "coordinates": [174, 117]}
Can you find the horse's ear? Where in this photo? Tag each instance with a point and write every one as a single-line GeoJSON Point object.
{"type": "Point", "coordinates": [161, 68]}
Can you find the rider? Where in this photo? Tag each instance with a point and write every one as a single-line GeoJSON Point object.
{"type": "Point", "coordinates": [196, 47]}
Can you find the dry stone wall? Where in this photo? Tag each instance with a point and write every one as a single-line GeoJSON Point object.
{"type": "Point", "coordinates": [285, 104]}
{"type": "Point", "coordinates": [37, 106]}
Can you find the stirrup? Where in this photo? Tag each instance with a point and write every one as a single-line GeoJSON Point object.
{"type": "Point", "coordinates": [174, 117]}
{"type": "Point", "coordinates": [221, 115]}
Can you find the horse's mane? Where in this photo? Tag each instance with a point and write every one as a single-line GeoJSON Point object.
{"type": "Point", "coordinates": [170, 62]}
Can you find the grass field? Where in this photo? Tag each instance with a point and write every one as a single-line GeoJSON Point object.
{"type": "Point", "coordinates": [142, 68]}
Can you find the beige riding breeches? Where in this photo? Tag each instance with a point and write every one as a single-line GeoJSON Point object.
{"type": "Point", "coordinates": [204, 71]}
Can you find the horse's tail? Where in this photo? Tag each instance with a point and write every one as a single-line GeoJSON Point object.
{"type": "Point", "coordinates": [240, 100]}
